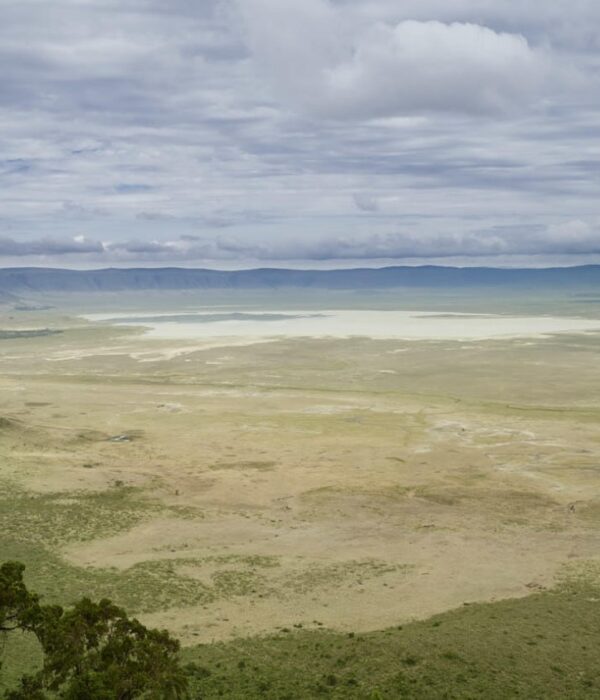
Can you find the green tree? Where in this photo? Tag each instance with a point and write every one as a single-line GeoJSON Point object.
{"type": "Point", "coordinates": [16, 602]}
{"type": "Point", "coordinates": [92, 651]}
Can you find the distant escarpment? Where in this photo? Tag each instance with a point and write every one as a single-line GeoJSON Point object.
{"type": "Point", "coordinates": [37, 279]}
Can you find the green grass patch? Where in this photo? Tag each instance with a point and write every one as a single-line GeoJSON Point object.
{"type": "Point", "coordinates": [580, 576]}
{"type": "Point", "coordinates": [143, 588]}
{"type": "Point", "coordinates": [16, 335]}
{"type": "Point", "coordinates": [351, 573]}
{"type": "Point", "coordinates": [541, 647]}
{"type": "Point", "coordinates": [146, 587]}
{"type": "Point", "coordinates": [53, 519]}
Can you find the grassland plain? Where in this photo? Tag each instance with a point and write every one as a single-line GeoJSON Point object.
{"type": "Point", "coordinates": [226, 491]}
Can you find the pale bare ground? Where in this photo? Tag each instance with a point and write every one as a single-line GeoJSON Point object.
{"type": "Point", "coordinates": [380, 483]}
{"type": "Point", "coordinates": [344, 323]}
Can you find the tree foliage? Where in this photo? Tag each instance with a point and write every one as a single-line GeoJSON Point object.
{"type": "Point", "coordinates": [16, 602]}
{"type": "Point", "coordinates": [93, 650]}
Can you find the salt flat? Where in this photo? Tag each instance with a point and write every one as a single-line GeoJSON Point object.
{"type": "Point", "coordinates": [344, 323]}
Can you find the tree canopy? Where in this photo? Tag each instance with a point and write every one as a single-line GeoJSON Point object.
{"type": "Point", "coordinates": [92, 650]}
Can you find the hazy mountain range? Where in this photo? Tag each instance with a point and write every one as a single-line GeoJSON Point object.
{"type": "Point", "coordinates": [35, 279]}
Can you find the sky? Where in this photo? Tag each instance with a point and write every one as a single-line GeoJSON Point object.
{"type": "Point", "coordinates": [320, 133]}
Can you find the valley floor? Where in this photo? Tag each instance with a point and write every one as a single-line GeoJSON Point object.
{"type": "Point", "coordinates": [224, 491]}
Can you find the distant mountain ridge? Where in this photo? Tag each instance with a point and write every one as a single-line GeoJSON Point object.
{"type": "Point", "coordinates": [39, 279]}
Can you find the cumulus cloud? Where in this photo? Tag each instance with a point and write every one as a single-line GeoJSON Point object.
{"type": "Point", "coordinates": [565, 23]}
{"type": "Point", "coordinates": [378, 69]}
{"type": "Point", "coordinates": [10, 247]}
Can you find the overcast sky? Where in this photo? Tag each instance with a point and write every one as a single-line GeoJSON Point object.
{"type": "Point", "coordinates": [312, 133]}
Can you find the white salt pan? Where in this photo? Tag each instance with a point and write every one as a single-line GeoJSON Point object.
{"type": "Point", "coordinates": [401, 325]}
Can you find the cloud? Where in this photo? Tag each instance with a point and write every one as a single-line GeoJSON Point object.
{"type": "Point", "coordinates": [574, 237]}
{"type": "Point", "coordinates": [48, 247]}
{"type": "Point", "coordinates": [365, 202]}
{"type": "Point", "coordinates": [142, 247]}
{"type": "Point", "coordinates": [231, 130]}
{"type": "Point", "coordinates": [571, 238]}
{"type": "Point", "coordinates": [330, 69]}
{"type": "Point", "coordinates": [132, 188]}
{"type": "Point", "coordinates": [573, 24]}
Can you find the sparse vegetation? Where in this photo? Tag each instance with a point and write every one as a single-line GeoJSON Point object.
{"type": "Point", "coordinates": [17, 335]}
{"type": "Point", "coordinates": [56, 518]}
